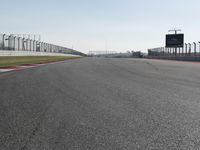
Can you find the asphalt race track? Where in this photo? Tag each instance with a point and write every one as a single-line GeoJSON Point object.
{"type": "Point", "coordinates": [101, 104]}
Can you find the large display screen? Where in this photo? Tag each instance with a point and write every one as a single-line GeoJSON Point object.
{"type": "Point", "coordinates": [174, 40]}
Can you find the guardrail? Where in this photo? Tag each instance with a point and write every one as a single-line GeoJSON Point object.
{"type": "Point", "coordinates": [17, 43]}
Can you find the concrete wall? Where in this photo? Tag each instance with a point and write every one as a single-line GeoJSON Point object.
{"type": "Point", "coordinates": [31, 53]}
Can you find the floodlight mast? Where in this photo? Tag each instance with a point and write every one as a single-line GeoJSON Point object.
{"type": "Point", "coordinates": [174, 30]}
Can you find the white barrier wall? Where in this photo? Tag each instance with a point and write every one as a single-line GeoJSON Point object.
{"type": "Point", "coordinates": [31, 53]}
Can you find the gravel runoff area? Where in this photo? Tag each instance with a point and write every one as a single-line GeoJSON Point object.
{"type": "Point", "coordinates": [101, 104]}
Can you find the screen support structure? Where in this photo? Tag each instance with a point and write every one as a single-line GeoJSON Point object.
{"type": "Point", "coordinates": [175, 31]}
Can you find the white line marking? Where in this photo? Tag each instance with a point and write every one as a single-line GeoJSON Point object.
{"type": "Point", "coordinates": [6, 70]}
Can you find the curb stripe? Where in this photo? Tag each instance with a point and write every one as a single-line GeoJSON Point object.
{"type": "Point", "coordinates": [22, 67]}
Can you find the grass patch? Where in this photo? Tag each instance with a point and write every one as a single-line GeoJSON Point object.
{"type": "Point", "coordinates": [8, 61]}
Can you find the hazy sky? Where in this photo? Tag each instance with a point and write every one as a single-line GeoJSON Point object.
{"type": "Point", "coordinates": [89, 24]}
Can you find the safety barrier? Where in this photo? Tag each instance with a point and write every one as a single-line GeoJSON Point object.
{"type": "Point", "coordinates": [31, 53]}
{"type": "Point", "coordinates": [190, 49]}
{"type": "Point", "coordinates": [17, 43]}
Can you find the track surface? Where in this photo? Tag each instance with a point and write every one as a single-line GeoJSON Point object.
{"type": "Point", "coordinates": [101, 104]}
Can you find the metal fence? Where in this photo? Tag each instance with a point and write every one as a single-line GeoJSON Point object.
{"type": "Point", "coordinates": [17, 43]}
{"type": "Point", "coordinates": [189, 49]}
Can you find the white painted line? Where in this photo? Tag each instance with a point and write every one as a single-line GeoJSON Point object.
{"type": "Point", "coordinates": [6, 70]}
{"type": "Point", "coordinates": [25, 67]}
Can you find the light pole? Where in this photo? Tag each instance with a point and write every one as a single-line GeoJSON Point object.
{"type": "Point", "coordinates": [33, 45]}
{"type": "Point", "coordinates": [18, 43]}
{"type": "Point", "coordinates": [27, 44]}
{"type": "Point", "coordinates": [23, 44]}
{"type": "Point", "coordinates": [182, 50]}
{"type": "Point", "coordinates": [199, 47]}
{"type": "Point", "coordinates": [9, 42]}
{"type": "Point", "coordinates": [8, 39]}
{"type": "Point", "coordinates": [30, 45]}
{"type": "Point", "coordinates": [14, 42]}
{"type": "Point", "coordinates": [189, 48]}
{"type": "Point", "coordinates": [3, 44]}
{"type": "Point", "coordinates": [185, 48]}
{"type": "Point", "coordinates": [195, 48]}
